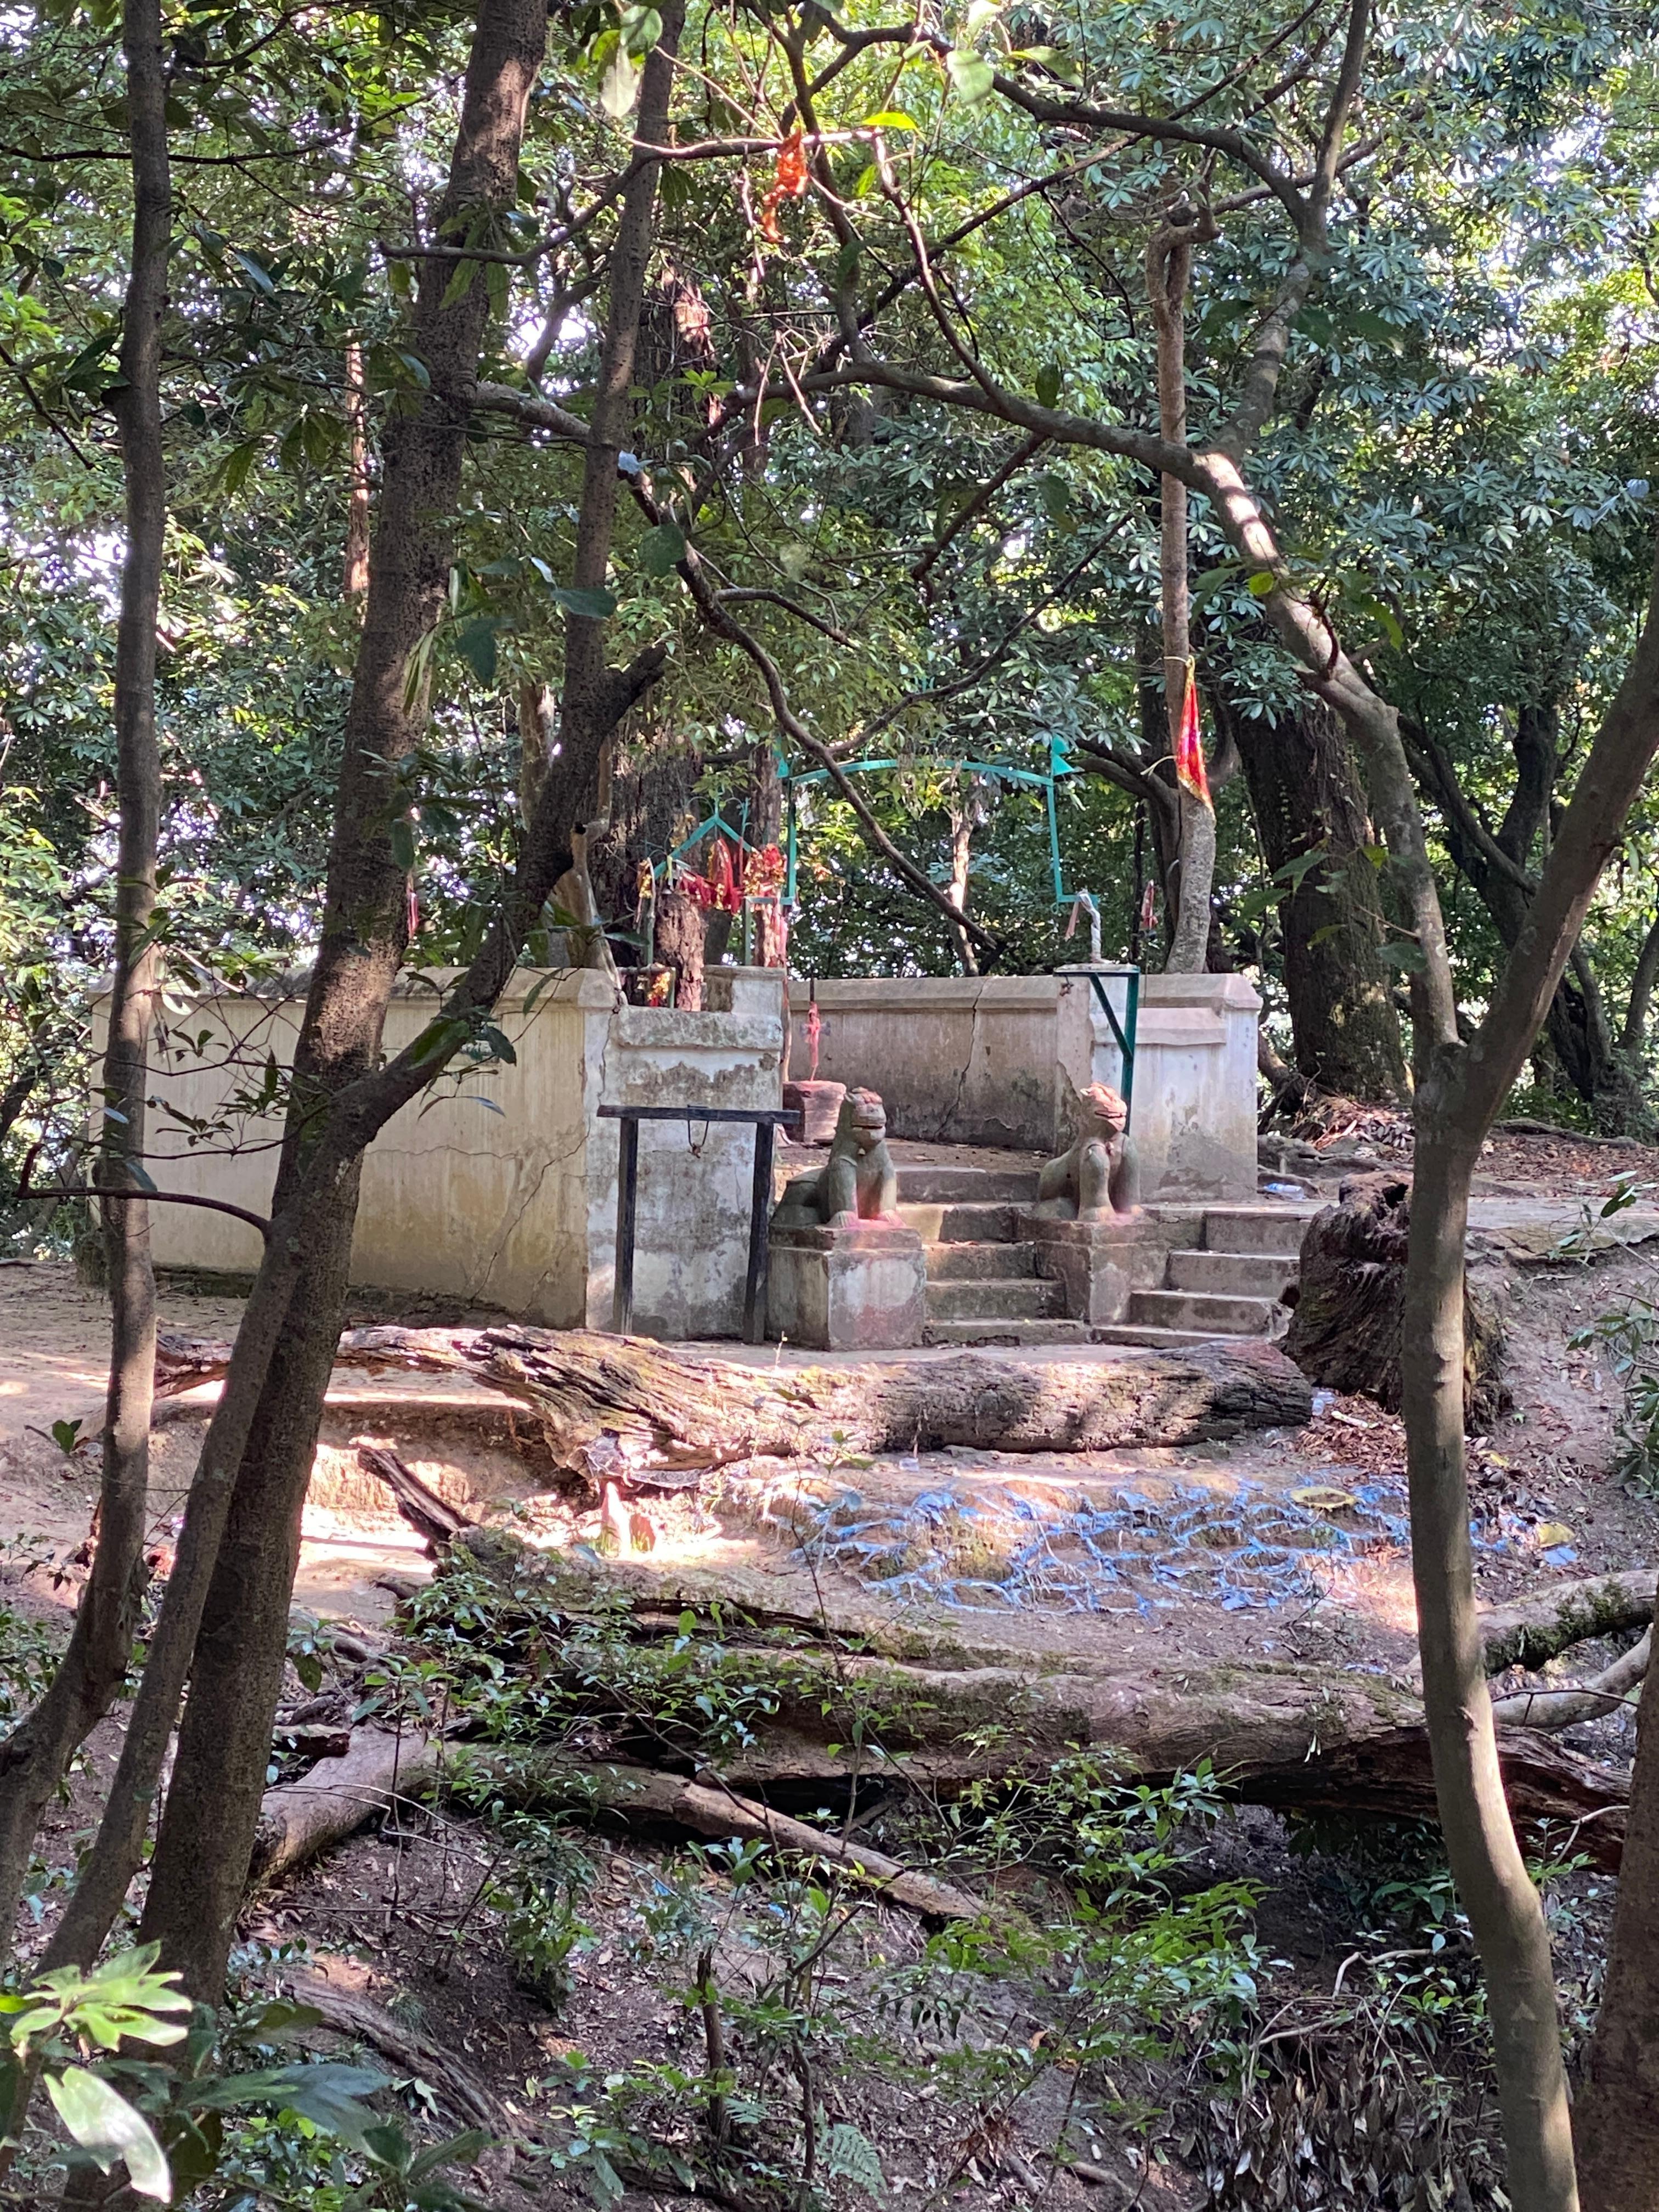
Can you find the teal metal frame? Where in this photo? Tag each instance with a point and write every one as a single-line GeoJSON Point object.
{"type": "Point", "coordinates": [1060, 766]}
{"type": "Point", "coordinates": [1126, 1043]}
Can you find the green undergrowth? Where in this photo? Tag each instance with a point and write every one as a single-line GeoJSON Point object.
{"type": "Point", "coordinates": [1118, 1989]}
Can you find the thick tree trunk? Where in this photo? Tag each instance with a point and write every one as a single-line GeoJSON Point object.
{"type": "Point", "coordinates": [1345, 1332]}
{"type": "Point", "coordinates": [1306, 795]}
{"type": "Point", "coordinates": [35, 1755]}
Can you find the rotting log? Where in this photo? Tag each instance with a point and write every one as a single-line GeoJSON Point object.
{"type": "Point", "coordinates": [616, 1408]}
{"type": "Point", "coordinates": [1344, 1328]}
{"type": "Point", "coordinates": [429, 1514]}
{"type": "Point", "coordinates": [1278, 1733]}
{"type": "Point", "coordinates": [1539, 1627]}
{"type": "Point", "coordinates": [322, 1810]}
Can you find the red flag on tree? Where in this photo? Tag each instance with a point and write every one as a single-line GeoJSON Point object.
{"type": "Point", "coordinates": [1190, 746]}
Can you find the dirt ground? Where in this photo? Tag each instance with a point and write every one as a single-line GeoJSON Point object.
{"type": "Point", "coordinates": [1287, 1544]}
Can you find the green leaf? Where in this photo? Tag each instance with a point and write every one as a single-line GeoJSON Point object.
{"type": "Point", "coordinates": [1048, 384]}
{"type": "Point", "coordinates": [258, 275]}
{"type": "Point", "coordinates": [437, 1038]}
{"type": "Point", "coordinates": [64, 1434]}
{"type": "Point", "coordinates": [460, 283]}
{"type": "Point", "coordinates": [971, 76]}
{"type": "Point", "coordinates": [400, 838]}
{"type": "Point", "coordinates": [890, 118]}
{"type": "Point", "coordinates": [1405, 956]}
{"type": "Point", "coordinates": [500, 1045]}
{"type": "Point", "coordinates": [661, 550]}
{"type": "Point", "coordinates": [1263, 584]}
{"type": "Point", "coordinates": [327, 2095]}
{"type": "Point", "coordinates": [475, 642]}
{"type": "Point", "coordinates": [109, 2130]}
{"type": "Point", "coordinates": [238, 463]}
{"type": "Point", "coordinates": [593, 605]}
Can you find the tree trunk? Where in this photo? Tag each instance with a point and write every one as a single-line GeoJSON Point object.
{"type": "Point", "coordinates": [35, 1755]}
{"type": "Point", "coordinates": [1306, 796]}
{"type": "Point", "coordinates": [213, 1802]}
{"type": "Point", "coordinates": [1618, 2116]}
{"type": "Point", "coordinates": [268, 1432]}
{"type": "Point", "coordinates": [680, 946]}
{"type": "Point", "coordinates": [1168, 265]}
{"type": "Point", "coordinates": [1345, 1331]}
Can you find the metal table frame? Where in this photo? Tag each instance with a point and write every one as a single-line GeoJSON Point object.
{"type": "Point", "coordinates": [765, 1120]}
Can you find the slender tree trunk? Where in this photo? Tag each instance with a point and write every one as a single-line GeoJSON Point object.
{"type": "Point", "coordinates": [1633, 1040]}
{"type": "Point", "coordinates": [354, 571]}
{"type": "Point", "coordinates": [212, 1809]}
{"type": "Point", "coordinates": [1168, 265]}
{"type": "Point", "coordinates": [1617, 2119]}
{"type": "Point", "coordinates": [37, 1753]}
{"type": "Point", "coordinates": [1306, 795]}
{"type": "Point", "coordinates": [961, 854]}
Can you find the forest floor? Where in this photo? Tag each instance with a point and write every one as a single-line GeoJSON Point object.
{"type": "Point", "coordinates": [1288, 1543]}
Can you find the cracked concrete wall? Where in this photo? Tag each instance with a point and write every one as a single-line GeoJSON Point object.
{"type": "Point", "coordinates": [499, 1186]}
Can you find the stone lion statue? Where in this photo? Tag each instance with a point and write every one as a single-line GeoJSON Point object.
{"type": "Point", "coordinates": [1096, 1180]}
{"type": "Point", "coordinates": [857, 1182]}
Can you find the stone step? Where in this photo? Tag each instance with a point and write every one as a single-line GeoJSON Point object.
{"type": "Point", "coordinates": [1153, 1338]}
{"type": "Point", "coordinates": [1015, 1298]}
{"type": "Point", "coordinates": [1249, 1274]}
{"type": "Point", "coordinates": [951, 1223]}
{"type": "Point", "coordinates": [1010, 1332]}
{"type": "Point", "coordinates": [965, 1263]}
{"type": "Point", "coordinates": [929, 1182]}
{"type": "Point", "coordinates": [1192, 1309]}
{"type": "Point", "coordinates": [1274, 1229]}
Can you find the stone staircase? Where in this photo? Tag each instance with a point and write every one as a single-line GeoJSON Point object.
{"type": "Point", "coordinates": [1227, 1281]}
{"type": "Point", "coordinates": [1225, 1277]}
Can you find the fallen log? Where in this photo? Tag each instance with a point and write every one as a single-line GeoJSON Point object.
{"type": "Point", "coordinates": [1278, 1734]}
{"type": "Point", "coordinates": [1390, 1776]}
{"type": "Point", "coordinates": [1537, 1628]}
{"type": "Point", "coordinates": [298, 1820]}
{"type": "Point", "coordinates": [614, 1407]}
{"type": "Point", "coordinates": [428, 1514]}
{"type": "Point", "coordinates": [554, 1783]}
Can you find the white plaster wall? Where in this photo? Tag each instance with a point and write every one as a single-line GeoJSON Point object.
{"type": "Point", "coordinates": [959, 1060]}
{"type": "Point", "coordinates": [515, 1206]}
{"type": "Point", "coordinates": [990, 1061]}
{"type": "Point", "coordinates": [1194, 1094]}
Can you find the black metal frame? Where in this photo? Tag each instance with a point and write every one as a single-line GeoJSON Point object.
{"type": "Point", "coordinates": [765, 1120]}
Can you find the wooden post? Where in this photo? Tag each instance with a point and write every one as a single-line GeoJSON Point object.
{"type": "Point", "coordinates": [628, 1178]}
{"type": "Point", "coordinates": [760, 1214]}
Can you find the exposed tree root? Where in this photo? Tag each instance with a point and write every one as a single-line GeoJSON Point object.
{"type": "Point", "coordinates": [298, 1820]}
{"type": "Point", "coordinates": [352, 2012]}
{"type": "Point", "coordinates": [1553, 1709]}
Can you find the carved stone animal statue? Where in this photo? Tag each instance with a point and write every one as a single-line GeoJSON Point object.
{"type": "Point", "coordinates": [1097, 1179]}
{"type": "Point", "coordinates": [857, 1182]}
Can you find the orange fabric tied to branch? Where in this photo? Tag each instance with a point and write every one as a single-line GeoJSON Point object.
{"type": "Point", "coordinates": [789, 183]}
{"type": "Point", "coordinates": [1189, 745]}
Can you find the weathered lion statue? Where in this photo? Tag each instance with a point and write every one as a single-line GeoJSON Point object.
{"type": "Point", "coordinates": [1097, 1179]}
{"type": "Point", "coordinates": [857, 1182]}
